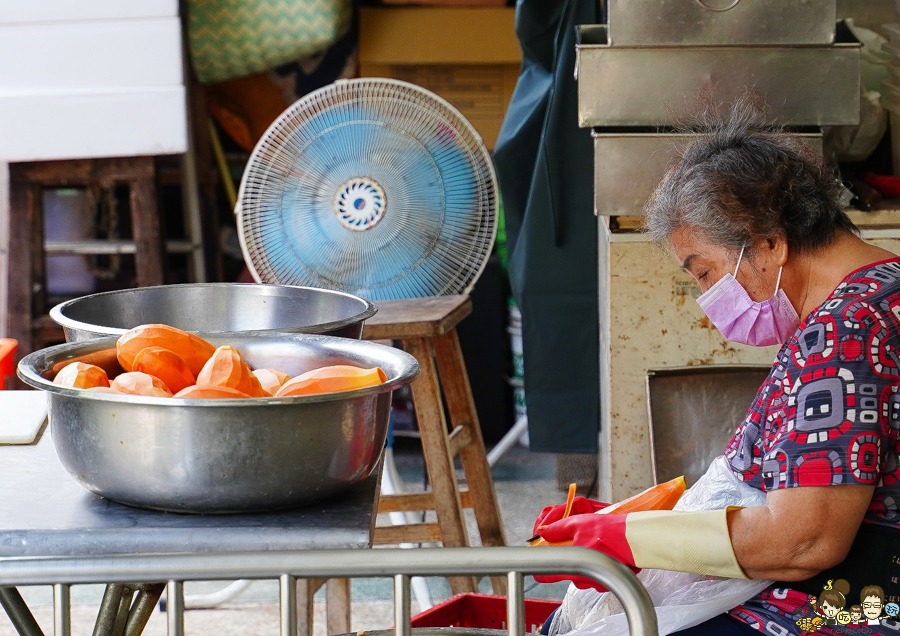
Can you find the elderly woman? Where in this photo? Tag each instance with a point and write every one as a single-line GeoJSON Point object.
{"type": "Point", "coordinates": [754, 217]}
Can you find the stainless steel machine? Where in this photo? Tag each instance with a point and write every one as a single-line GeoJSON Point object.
{"type": "Point", "coordinates": [653, 58]}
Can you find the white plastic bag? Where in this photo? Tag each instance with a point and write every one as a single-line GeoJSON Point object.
{"type": "Point", "coordinates": [681, 599]}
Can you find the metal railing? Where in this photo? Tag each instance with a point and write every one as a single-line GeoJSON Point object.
{"type": "Point", "coordinates": [287, 567]}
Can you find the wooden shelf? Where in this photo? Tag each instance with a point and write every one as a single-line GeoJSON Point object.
{"type": "Point", "coordinates": [108, 246]}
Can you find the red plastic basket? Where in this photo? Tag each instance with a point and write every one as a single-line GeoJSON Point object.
{"type": "Point", "coordinates": [484, 611]}
{"type": "Point", "coordinates": [8, 348]}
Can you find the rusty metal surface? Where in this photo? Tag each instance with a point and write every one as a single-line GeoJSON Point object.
{"type": "Point", "coordinates": [694, 411]}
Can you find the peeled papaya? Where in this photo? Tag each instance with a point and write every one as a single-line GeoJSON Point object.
{"type": "Point", "coordinates": [80, 375]}
{"type": "Point", "coordinates": [271, 380]}
{"type": "Point", "coordinates": [197, 391]}
{"type": "Point", "coordinates": [659, 497]}
{"type": "Point", "coordinates": [166, 365]}
{"type": "Point", "coordinates": [226, 368]}
{"type": "Point", "coordinates": [340, 377]}
{"type": "Point", "coordinates": [194, 350]}
{"type": "Point", "coordinates": [137, 383]}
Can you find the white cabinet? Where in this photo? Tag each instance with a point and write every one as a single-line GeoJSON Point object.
{"type": "Point", "coordinates": [12, 11]}
{"type": "Point", "coordinates": [99, 78]}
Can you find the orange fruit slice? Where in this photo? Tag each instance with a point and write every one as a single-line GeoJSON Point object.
{"type": "Point", "coordinates": [198, 391]}
{"type": "Point", "coordinates": [194, 350]}
{"type": "Point", "coordinates": [340, 377]}
{"type": "Point", "coordinates": [659, 497]}
{"type": "Point", "coordinates": [165, 365]}
{"type": "Point", "coordinates": [137, 383]}
{"type": "Point", "coordinates": [226, 368]}
{"type": "Point", "coordinates": [80, 375]}
{"type": "Point", "coordinates": [271, 380]}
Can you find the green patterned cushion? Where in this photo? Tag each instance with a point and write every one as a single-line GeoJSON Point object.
{"type": "Point", "coordinates": [230, 38]}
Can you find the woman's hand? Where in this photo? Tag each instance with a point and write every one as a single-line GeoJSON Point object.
{"type": "Point", "coordinates": [799, 532]}
{"type": "Point", "coordinates": [580, 506]}
{"type": "Point", "coordinates": [605, 533]}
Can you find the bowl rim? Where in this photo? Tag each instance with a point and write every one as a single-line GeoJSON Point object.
{"type": "Point", "coordinates": [57, 313]}
{"type": "Point", "coordinates": [27, 371]}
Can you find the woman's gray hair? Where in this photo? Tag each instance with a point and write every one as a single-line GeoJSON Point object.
{"type": "Point", "coordinates": [745, 179]}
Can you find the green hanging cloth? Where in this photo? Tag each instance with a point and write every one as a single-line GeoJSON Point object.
{"type": "Point", "coordinates": [545, 170]}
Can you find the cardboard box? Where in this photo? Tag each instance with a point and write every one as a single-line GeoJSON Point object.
{"type": "Point", "coordinates": [469, 56]}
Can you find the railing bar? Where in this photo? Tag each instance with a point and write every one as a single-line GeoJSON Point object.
{"type": "Point", "coordinates": [62, 610]}
{"type": "Point", "coordinates": [402, 607]}
{"type": "Point", "coordinates": [515, 603]}
{"type": "Point", "coordinates": [497, 561]}
{"type": "Point", "coordinates": [175, 608]}
{"type": "Point", "coordinates": [288, 604]}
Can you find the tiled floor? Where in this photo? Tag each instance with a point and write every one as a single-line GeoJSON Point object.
{"type": "Point", "coordinates": [525, 483]}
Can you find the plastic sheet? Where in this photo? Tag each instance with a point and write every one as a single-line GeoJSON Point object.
{"type": "Point", "coordinates": [681, 599]}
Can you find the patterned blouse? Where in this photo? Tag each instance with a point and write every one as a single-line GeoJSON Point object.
{"type": "Point", "coordinates": [829, 414]}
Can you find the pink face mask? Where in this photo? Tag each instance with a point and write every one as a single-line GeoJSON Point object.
{"type": "Point", "coordinates": [740, 319]}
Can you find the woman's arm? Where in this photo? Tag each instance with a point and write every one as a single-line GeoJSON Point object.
{"type": "Point", "coordinates": [799, 532]}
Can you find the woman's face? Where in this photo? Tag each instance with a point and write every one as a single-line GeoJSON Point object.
{"type": "Point", "coordinates": [708, 263]}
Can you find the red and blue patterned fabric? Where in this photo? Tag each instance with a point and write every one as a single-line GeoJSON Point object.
{"type": "Point", "coordinates": [829, 414]}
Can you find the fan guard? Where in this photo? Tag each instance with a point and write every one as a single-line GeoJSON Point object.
{"type": "Point", "coordinates": [374, 187]}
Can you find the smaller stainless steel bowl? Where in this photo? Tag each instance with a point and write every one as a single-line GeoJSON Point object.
{"type": "Point", "coordinates": [223, 455]}
{"type": "Point", "coordinates": [215, 307]}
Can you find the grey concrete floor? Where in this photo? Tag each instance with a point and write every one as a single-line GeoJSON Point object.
{"type": "Point", "coordinates": [525, 482]}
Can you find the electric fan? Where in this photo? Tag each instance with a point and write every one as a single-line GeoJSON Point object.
{"type": "Point", "coordinates": [374, 187]}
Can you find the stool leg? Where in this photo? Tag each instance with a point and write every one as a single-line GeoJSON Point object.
{"type": "Point", "coordinates": [306, 589]}
{"type": "Point", "coordinates": [337, 606]}
{"type": "Point", "coordinates": [461, 406]}
{"type": "Point", "coordinates": [148, 257]}
{"type": "Point", "coordinates": [438, 460]}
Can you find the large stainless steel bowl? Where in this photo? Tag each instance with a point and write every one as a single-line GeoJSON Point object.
{"type": "Point", "coordinates": [215, 307]}
{"type": "Point", "coordinates": [223, 455]}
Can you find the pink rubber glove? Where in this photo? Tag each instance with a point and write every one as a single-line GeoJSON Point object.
{"type": "Point", "coordinates": [605, 533]}
{"type": "Point", "coordinates": [580, 506]}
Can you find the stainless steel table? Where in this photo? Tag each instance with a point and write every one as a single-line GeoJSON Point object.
{"type": "Point", "coordinates": [44, 513]}
{"type": "Point", "coordinates": [53, 532]}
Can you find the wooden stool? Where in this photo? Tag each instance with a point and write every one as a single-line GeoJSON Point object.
{"type": "Point", "coordinates": [27, 283]}
{"type": "Point", "coordinates": [426, 329]}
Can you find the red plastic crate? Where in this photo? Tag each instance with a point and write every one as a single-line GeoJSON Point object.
{"type": "Point", "coordinates": [8, 348]}
{"type": "Point", "coordinates": [484, 611]}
